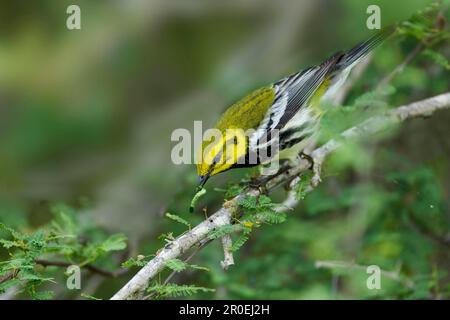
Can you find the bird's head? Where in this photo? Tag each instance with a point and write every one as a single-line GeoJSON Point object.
{"type": "Point", "coordinates": [221, 150]}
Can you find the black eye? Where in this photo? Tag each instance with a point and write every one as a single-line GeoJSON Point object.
{"type": "Point", "coordinates": [235, 140]}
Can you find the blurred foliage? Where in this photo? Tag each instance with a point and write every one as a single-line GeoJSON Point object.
{"type": "Point", "coordinates": [86, 118]}
{"type": "Point", "coordinates": [80, 243]}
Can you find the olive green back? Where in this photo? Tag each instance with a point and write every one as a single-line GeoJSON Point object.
{"type": "Point", "coordinates": [248, 112]}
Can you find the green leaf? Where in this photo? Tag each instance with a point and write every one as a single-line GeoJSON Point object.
{"type": "Point", "coordinates": [221, 231]}
{"type": "Point", "coordinates": [197, 267]}
{"type": "Point", "coordinates": [65, 219]}
{"type": "Point", "coordinates": [176, 265]}
{"type": "Point", "coordinates": [239, 242]}
{"type": "Point", "coordinates": [8, 284]}
{"type": "Point", "coordinates": [303, 185]}
{"type": "Point", "coordinates": [175, 290]}
{"type": "Point", "coordinates": [234, 190]}
{"type": "Point", "coordinates": [138, 262]}
{"type": "Point", "coordinates": [17, 263]}
{"type": "Point", "coordinates": [255, 202]}
{"type": "Point", "coordinates": [43, 295]}
{"type": "Point", "coordinates": [33, 276]}
{"type": "Point", "coordinates": [115, 242]}
{"type": "Point", "coordinates": [178, 219]}
{"type": "Point", "coordinates": [89, 297]}
{"type": "Point", "coordinates": [7, 244]}
{"type": "Point", "coordinates": [437, 58]}
{"type": "Point", "coordinates": [14, 233]}
{"type": "Point", "coordinates": [272, 216]}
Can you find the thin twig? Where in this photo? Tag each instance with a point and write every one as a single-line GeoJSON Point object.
{"type": "Point", "coordinates": [399, 69]}
{"type": "Point", "coordinates": [413, 54]}
{"type": "Point", "coordinates": [418, 227]}
{"type": "Point", "coordinates": [92, 268]}
{"type": "Point", "coordinates": [8, 276]}
{"type": "Point", "coordinates": [394, 275]}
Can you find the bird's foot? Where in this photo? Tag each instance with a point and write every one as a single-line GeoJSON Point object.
{"type": "Point", "coordinates": [259, 183]}
{"type": "Point", "coordinates": [303, 155]}
{"type": "Point", "coordinates": [316, 166]}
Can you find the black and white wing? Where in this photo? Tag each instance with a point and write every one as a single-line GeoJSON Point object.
{"type": "Point", "coordinates": [291, 94]}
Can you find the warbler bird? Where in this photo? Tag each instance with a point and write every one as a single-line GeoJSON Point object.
{"type": "Point", "coordinates": [290, 107]}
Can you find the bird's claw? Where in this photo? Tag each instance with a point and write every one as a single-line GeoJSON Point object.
{"type": "Point", "coordinates": [259, 184]}
{"type": "Point", "coordinates": [316, 166]}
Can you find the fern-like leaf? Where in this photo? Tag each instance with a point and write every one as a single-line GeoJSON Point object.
{"type": "Point", "coordinates": [174, 290]}
{"type": "Point", "coordinates": [239, 242]}
{"type": "Point", "coordinates": [178, 219]}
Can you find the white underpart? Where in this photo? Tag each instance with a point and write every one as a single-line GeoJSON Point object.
{"type": "Point", "coordinates": [332, 92]}
{"type": "Point", "coordinates": [303, 116]}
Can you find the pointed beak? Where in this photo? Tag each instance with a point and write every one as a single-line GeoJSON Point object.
{"type": "Point", "coordinates": [202, 180]}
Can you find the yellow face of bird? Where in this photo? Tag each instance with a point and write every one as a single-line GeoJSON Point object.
{"type": "Point", "coordinates": [220, 151]}
{"type": "Point", "coordinates": [227, 145]}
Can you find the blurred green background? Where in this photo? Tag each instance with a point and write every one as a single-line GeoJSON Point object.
{"type": "Point", "coordinates": [86, 117]}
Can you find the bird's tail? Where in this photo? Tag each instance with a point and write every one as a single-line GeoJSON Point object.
{"type": "Point", "coordinates": [361, 50]}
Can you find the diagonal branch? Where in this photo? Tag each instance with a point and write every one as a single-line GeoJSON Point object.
{"type": "Point", "coordinates": [199, 234]}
